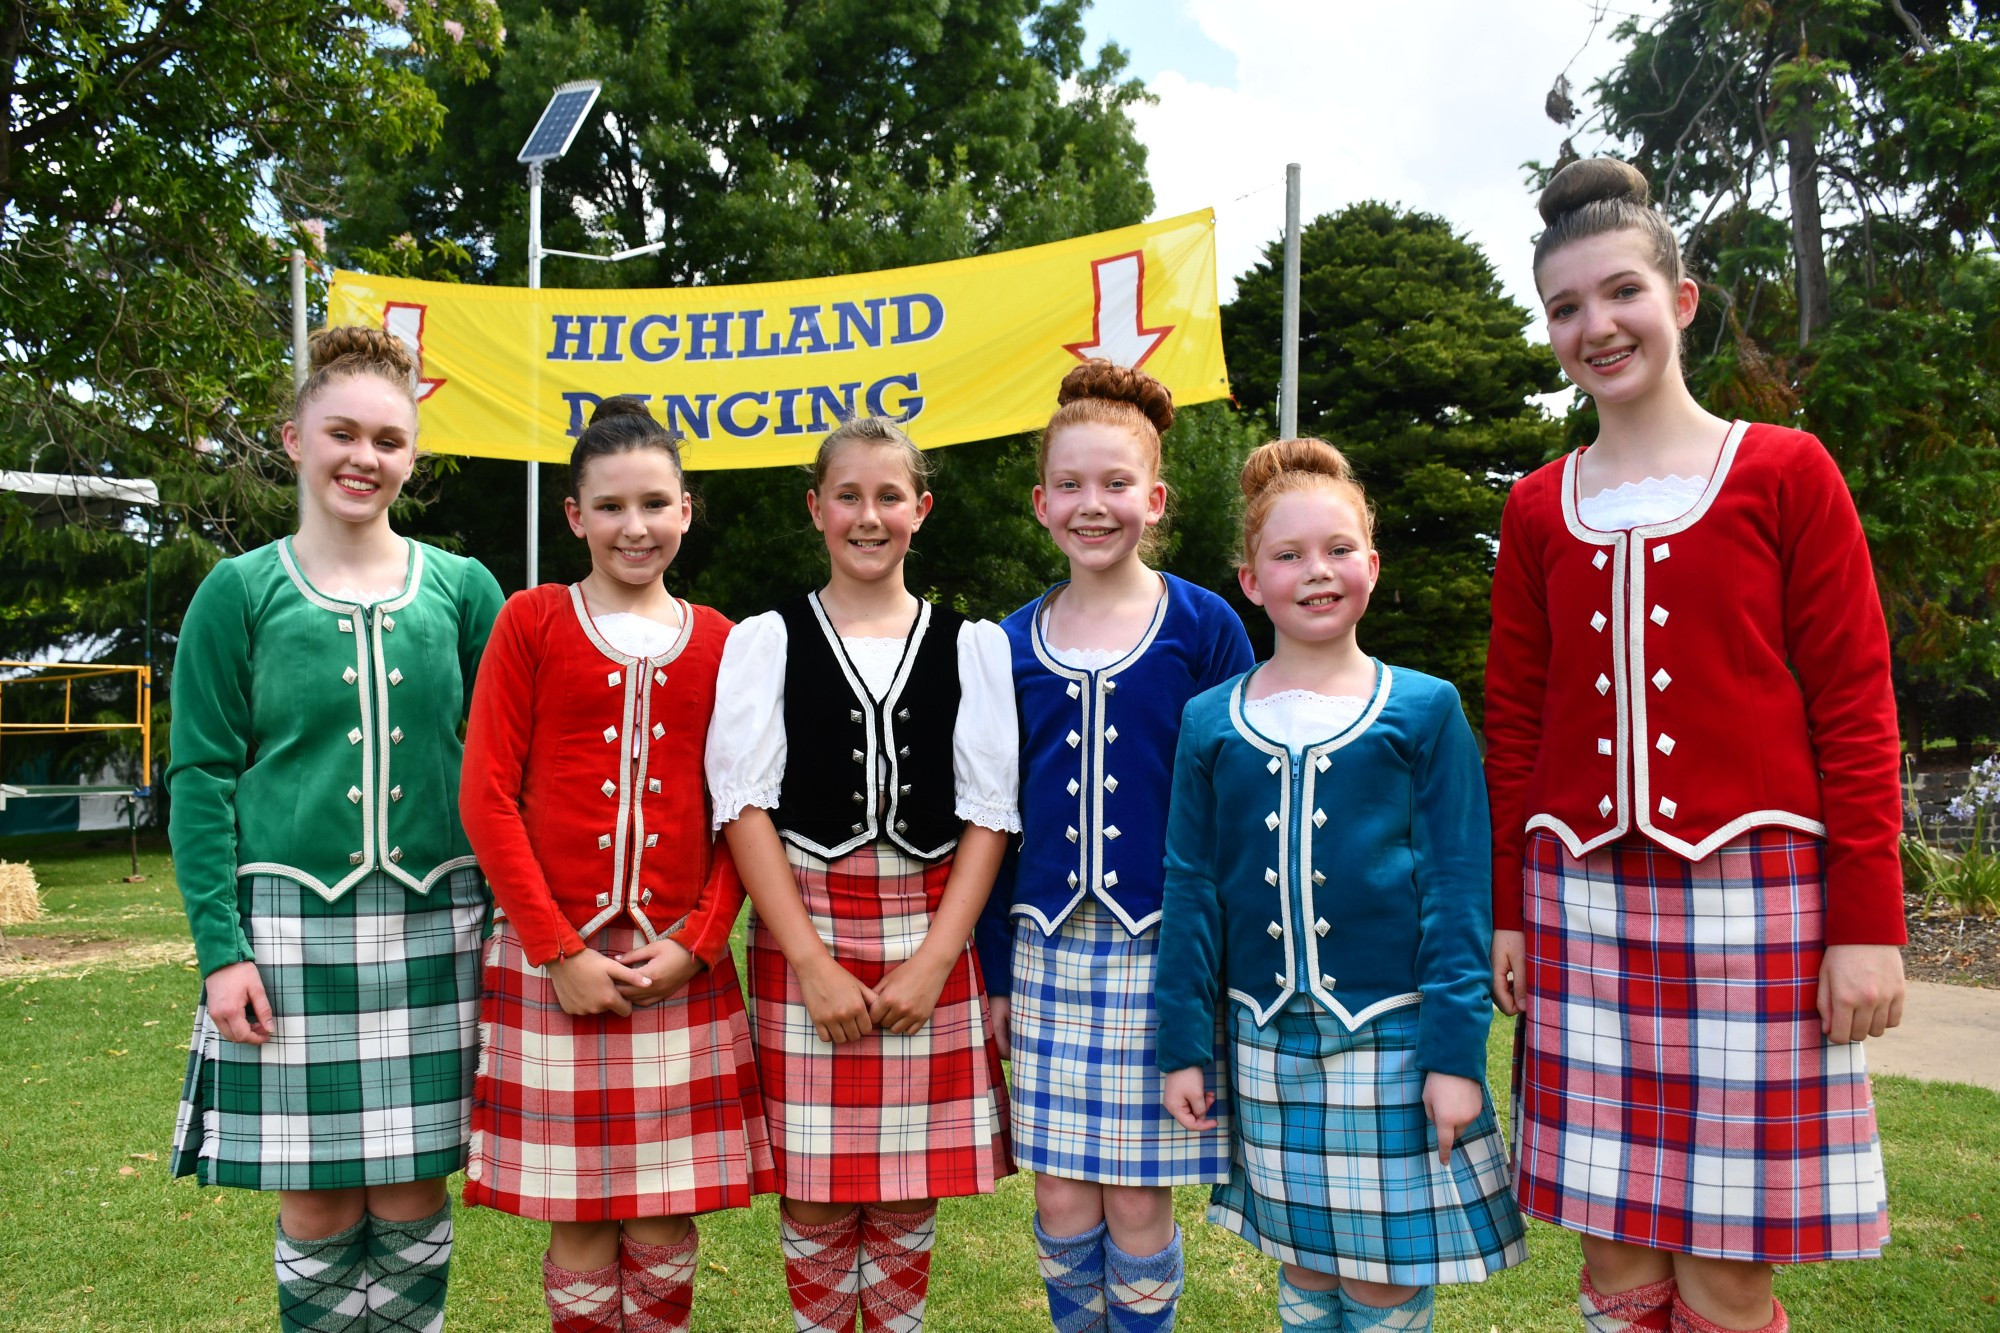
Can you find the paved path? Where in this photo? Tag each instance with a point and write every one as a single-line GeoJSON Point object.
{"type": "Point", "coordinates": [1948, 1032]}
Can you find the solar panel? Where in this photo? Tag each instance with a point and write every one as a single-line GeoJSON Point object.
{"type": "Point", "coordinates": [560, 121]}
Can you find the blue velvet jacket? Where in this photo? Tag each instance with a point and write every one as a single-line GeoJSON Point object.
{"type": "Point", "coordinates": [1356, 875]}
{"type": "Point", "coordinates": [1097, 753]}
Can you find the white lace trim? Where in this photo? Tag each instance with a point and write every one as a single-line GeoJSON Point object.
{"type": "Point", "coordinates": [999, 818]}
{"type": "Point", "coordinates": [367, 598]}
{"type": "Point", "coordinates": [1298, 718]}
{"type": "Point", "coordinates": [876, 659]}
{"type": "Point", "coordinates": [635, 635]}
{"type": "Point", "coordinates": [1087, 659]}
{"type": "Point", "coordinates": [729, 804]}
{"type": "Point", "coordinates": [1640, 503]}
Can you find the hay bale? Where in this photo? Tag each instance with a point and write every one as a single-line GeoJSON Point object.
{"type": "Point", "coordinates": [20, 897]}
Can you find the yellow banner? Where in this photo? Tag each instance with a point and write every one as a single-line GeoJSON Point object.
{"type": "Point", "coordinates": [755, 375]}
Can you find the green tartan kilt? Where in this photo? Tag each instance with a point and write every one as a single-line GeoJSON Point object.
{"type": "Point", "coordinates": [368, 1080]}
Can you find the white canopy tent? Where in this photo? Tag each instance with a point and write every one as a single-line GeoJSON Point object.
{"type": "Point", "coordinates": [129, 490]}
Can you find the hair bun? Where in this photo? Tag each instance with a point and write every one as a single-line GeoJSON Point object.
{"type": "Point", "coordinates": [1592, 180]}
{"type": "Point", "coordinates": [351, 348]}
{"type": "Point", "coordinates": [1306, 455]}
{"type": "Point", "coordinates": [1098, 378]}
{"type": "Point", "coordinates": [622, 406]}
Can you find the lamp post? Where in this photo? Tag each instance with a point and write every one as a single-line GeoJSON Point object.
{"type": "Point", "coordinates": [551, 138]}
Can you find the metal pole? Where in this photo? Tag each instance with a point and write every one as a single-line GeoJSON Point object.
{"type": "Point", "coordinates": [300, 358]}
{"type": "Point", "coordinates": [534, 283]}
{"type": "Point", "coordinates": [1288, 354]}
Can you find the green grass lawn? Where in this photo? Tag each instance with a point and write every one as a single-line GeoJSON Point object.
{"type": "Point", "coordinates": [94, 1236]}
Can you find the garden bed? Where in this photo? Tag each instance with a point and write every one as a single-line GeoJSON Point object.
{"type": "Point", "coordinates": [1949, 945]}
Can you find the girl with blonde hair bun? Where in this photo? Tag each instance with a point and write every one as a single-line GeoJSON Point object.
{"type": "Point", "coordinates": [1324, 933]}
{"type": "Point", "coordinates": [335, 904]}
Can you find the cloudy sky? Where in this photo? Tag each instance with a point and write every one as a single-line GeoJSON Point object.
{"type": "Point", "coordinates": [1434, 105]}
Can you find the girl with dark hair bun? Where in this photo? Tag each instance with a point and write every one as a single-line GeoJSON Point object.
{"type": "Point", "coordinates": [1692, 755]}
{"type": "Point", "coordinates": [334, 901]}
{"type": "Point", "coordinates": [1103, 663]}
{"type": "Point", "coordinates": [863, 760]}
{"type": "Point", "coordinates": [618, 1098]}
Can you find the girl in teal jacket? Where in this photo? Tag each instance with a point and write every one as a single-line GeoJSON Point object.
{"type": "Point", "coordinates": [1327, 878]}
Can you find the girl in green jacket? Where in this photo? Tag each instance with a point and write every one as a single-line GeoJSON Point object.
{"type": "Point", "coordinates": [318, 691]}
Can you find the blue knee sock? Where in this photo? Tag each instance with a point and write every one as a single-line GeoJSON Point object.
{"type": "Point", "coordinates": [1073, 1271]}
{"type": "Point", "coordinates": [1141, 1292]}
{"type": "Point", "coordinates": [1314, 1311]}
{"type": "Point", "coordinates": [1412, 1316]}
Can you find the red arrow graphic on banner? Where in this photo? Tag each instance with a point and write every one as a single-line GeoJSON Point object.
{"type": "Point", "coordinates": [1118, 329]}
{"type": "Point", "coordinates": [406, 320]}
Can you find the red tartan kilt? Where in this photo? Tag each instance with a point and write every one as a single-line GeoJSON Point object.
{"type": "Point", "coordinates": [1672, 1088]}
{"type": "Point", "coordinates": [886, 1118]}
{"type": "Point", "coordinates": [602, 1118]}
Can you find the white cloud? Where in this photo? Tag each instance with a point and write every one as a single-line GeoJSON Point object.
{"type": "Point", "coordinates": [1433, 105]}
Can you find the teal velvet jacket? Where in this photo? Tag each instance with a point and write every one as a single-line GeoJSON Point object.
{"type": "Point", "coordinates": [1356, 876]}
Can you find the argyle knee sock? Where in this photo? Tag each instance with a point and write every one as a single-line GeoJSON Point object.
{"type": "Point", "coordinates": [1141, 1291]}
{"type": "Point", "coordinates": [581, 1302]}
{"type": "Point", "coordinates": [823, 1271]}
{"type": "Point", "coordinates": [323, 1284]}
{"type": "Point", "coordinates": [1412, 1316]}
{"type": "Point", "coordinates": [1316, 1311]}
{"type": "Point", "coordinates": [408, 1266]}
{"type": "Point", "coordinates": [1644, 1307]}
{"type": "Point", "coordinates": [1686, 1320]}
{"type": "Point", "coordinates": [658, 1282]}
{"type": "Point", "coordinates": [1073, 1271]}
{"type": "Point", "coordinates": [895, 1267]}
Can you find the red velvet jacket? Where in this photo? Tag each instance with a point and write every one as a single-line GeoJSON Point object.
{"type": "Point", "coordinates": [1695, 679]}
{"type": "Point", "coordinates": [583, 789]}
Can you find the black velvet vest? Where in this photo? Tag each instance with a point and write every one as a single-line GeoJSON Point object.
{"type": "Point", "coordinates": [836, 737]}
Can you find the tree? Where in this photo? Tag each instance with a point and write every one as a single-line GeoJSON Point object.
{"type": "Point", "coordinates": [1413, 362]}
{"type": "Point", "coordinates": [156, 159]}
{"type": "Point", "coordinates": [764, 141]}
{"type": "Point", "coordinates": [1857, 300]}
{"type": "Point", "coordinates": [152, 158]}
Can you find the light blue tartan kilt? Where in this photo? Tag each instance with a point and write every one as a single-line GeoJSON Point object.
{"type": "Point", "coordinates": [1336, 1164]}
{"type": "Point", "coordinates": [1085, 1086]}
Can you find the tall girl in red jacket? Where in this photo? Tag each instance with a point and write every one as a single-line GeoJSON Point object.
{"type": "Point", "coordinates": [1692, 760]}
{"type": "Point", "coordinates": [617, 1096]}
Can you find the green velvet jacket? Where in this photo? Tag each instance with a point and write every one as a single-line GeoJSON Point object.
{"type": "Point", "coordinates": [318, 739]}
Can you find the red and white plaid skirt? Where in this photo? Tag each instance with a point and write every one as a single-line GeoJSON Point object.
{"type": "Point", "coordinates": [1671, 1085]}
{"type": "Point", "coordinates": [885, 1118]}
{"type": "Point", "coordinates": [603, 1118]}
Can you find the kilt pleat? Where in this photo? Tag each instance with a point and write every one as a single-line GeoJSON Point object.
{"type": "Point", "coordinates": [1087, 1092]}
{"type": "Point", "coordinates": [600, 1118]}
{"type": "Point", "coordinates": [1672, 1087]}
{"type": "Point", "coordinates": [1336, 1164]}
{"type": "Point", "coordinates": [885, 1118]}
{"type": "Point", "coordinates": [368, 1077]}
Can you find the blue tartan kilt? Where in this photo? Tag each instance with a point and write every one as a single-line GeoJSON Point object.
{"type": "Point", "coordinates": [1086, 1090]}
{"type": "Point", "coordinates": [1335, 1165]}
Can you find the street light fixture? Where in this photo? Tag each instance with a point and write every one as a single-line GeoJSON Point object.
{"type": "Point", "coordinates": [552, 136]}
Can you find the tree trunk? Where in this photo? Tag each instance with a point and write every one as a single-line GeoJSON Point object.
{"type": "Point", "coordinates": [1808, 244]}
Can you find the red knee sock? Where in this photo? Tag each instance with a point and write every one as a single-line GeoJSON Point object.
{"type": "Point", "coordinates": [822, 1268]}
{"type": "Point", "coordinates": [896, 1267]}
{"type": "Point", "coordinates": [580, 1302]}
{"type": "Point", "coordinates": [1687, 1321]}
{"type": "Point", "coordinates": [1644, 1307]}
{"type": "Point", "coordinates": [658, 1284]}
